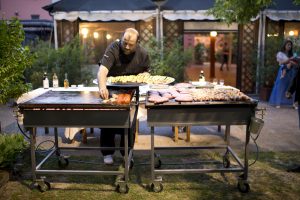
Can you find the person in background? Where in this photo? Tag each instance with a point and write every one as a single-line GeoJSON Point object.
{"type": "Point", "coordinates": [124, 57]}
{"type": "Point", "coordinates": [225, 53]}
{"type": "Point", "coordinates": [285, 75]}
{"type": "Point", "coordinates": [295, 88]}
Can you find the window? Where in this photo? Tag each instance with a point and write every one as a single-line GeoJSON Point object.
{"type": "Point", "coordinates": [35, 16]}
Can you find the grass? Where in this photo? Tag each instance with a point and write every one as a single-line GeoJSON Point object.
{"type": "Point", "coordinates": [267, 177]}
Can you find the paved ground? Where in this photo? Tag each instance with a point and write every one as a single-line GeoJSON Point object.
{"type": "Point", "coordinates": [280, 133]}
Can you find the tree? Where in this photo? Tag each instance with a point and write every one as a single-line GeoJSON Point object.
{"type": "Point", "coordinates": [14, 59]}
{"type": "Point", "coordinates": [240, 11]}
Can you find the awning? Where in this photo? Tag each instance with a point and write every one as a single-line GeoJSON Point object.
{"type": "Point", "coordinates": [121, 15]}
{"type": "Point", "coordinates": [102, 10]}
{"type": "Point", "coordinates": [187, 10]}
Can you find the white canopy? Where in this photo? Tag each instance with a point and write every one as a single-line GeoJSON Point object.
{"type": "Point", "coordinates": [287, 15]}
{"type": "Point", "coordinates": [187, 15]}
{"type": "Point", "coordinates": [116, 15]}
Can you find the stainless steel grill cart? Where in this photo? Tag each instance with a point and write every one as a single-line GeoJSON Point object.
{"type": "Point", "coordinates": [202, 113]}
{"type": "Point", "coordinates": [78, 109]}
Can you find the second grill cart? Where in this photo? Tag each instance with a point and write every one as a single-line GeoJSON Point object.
{"type": "Point", "coordinates": [202, 112]}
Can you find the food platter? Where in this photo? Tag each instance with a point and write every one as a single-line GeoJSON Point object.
{"type": "Point", "coordinates": [143, 78]}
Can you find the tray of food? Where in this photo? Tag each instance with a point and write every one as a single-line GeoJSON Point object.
{"type": "Point", "coordinates": [140, 79]}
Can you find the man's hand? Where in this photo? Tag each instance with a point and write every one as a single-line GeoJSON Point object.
{"type": "Point", "coordinates": [288, 95]}
{"type": "Point", "coordinates": [104, 93]}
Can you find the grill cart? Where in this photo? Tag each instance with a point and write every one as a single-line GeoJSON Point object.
{"type": "Point", "coordinates": [205, 113]}
{"type": "Point", "coordinates": [79, 109]}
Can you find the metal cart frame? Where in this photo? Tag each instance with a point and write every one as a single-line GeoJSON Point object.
{"type": "Point", "coordinates": [202, 113]}
{"type": "Point", "coordinates": [85, 114]}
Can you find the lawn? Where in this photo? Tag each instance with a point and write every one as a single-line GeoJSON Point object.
{"type": "Point", "coordinates": [267, 177]}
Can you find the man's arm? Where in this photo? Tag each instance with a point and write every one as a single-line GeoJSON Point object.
{"type": "Point", "coordinates": [102, 76]}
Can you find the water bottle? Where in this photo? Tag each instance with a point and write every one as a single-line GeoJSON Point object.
{"type": "Point", "coordinates": [45, 81]}
{"type": "Point", "coordinates": [201, 76]}
{"type": "Point", "coordinates": [55, 81]}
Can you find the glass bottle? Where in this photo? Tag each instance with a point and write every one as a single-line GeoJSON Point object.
{"type": "Point", "coordinates": [55, 81]}
{"type": "Point", "coordinates": [66, 81]}
{"type": "Point", "coordinates": [201, 76]}
{"type": "Point", "coordinates": [45, 81]}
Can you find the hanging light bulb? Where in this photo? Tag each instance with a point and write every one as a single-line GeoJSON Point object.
{"type": "Point", "coordinates": [96, 35]}
{"type": "Point", "coordinates": [108, 36]}
{"type": "Point", "coordinates": [291, 33]}
{"type": "Point", "coordinates": [213, 33]}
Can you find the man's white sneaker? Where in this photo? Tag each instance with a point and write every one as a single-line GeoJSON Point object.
{"type": "Point", "coordinates": [108, 159]}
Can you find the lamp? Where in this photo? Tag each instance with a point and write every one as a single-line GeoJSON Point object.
{"type": "Point", "coordinates": [108, 36]}
{"type": "Point", "coordinates": [84, 32]}
{"type": "Point", "coordinates": [96, 35]}
{"type": "Point", "coordinates": [213, 35]}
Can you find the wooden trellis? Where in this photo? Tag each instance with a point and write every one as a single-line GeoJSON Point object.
{"type": "Point", "coordinates": [172, 30]}
{"type": "Point", "coordinates": [247, 52]}
{"type": "Point", "coordinates": [66, 31]}
{"type": "Point", "coordinates": [146, 30]}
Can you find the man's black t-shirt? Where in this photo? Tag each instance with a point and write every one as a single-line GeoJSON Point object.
{"type": "Point", "coordinates": [119, 64]}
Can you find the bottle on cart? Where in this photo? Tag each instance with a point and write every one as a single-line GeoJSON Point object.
{"type": "Point", "coordinates": [66, 81]}
{"type": "Point", "coordinates": [201, 76]}
{"type": "Point", "coordinates": [55, 81]}
{"type": "Point", "coordinates": [45, 81]}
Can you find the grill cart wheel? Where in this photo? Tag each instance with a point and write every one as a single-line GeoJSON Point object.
{"type": "Point", "coordinates": [44, 186]}
{"type": "Point", "coordinates": [226, 162]}
{"type": "Point", "coordinates": [122, 188]}
{"type": "Point", "coordinates": [243, 187]}
{"type": "Point", "coordinates": [157, 187]}
{"type": "Point", "coordinates": [63, 162]}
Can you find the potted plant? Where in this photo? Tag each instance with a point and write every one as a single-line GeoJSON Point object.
{"type": "Point", "coordinates": [199, 53]}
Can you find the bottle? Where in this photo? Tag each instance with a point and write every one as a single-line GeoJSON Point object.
{"type": "Point", "coordinates": [45, 81]}
{"type": "Point", "coordinates": [66, 81]}
{"type": "Point", "coordinates": [201, 76]}
{"type": "Point", "coordinates": [55, 81]}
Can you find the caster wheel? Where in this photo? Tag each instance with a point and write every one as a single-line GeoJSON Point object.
{"type": "Point", "coordinates": [243, 187]}
{"type": "Point", "coordinates": [157, 164]}
{"type": "Point", "coordinates": [226, 162]}
{"type": "Point", "coordinates": [44, 186]}
{"type": "Point", "coordinates": [122, 188]}
{"type": "Point", "coordinates": [63, 162]}
{"type": "Point", "coordinates": [157, 187]}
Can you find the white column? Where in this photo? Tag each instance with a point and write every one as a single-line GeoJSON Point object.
{"type": "Point", "coordinates": [55, 34]}
{"type": "Point", "coordinates": [261, 48]}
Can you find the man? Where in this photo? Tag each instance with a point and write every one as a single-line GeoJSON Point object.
{"type": "Point", "coordinates": [225, 53]}
{"type": "Point", "coordinates": [125, 57]}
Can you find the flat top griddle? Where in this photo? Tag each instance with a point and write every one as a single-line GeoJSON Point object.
{"type": "Point", "coordinates": [176, 104]}
{"type": "Point", "coordinates": [72, 99]}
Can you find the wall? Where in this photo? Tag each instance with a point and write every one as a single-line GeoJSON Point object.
{"type": "Point", "coordinates": [25, 8]}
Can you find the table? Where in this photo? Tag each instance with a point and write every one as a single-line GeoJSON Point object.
{"type": "Point", "coordinates": [82, 108]}
{"type": "Point", "coordinates": [202, 113]}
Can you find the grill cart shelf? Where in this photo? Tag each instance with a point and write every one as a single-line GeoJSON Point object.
{"type": "Point", "coordinates": [201, 113]}
{"type": "Point", "coordinates": [78, 109]}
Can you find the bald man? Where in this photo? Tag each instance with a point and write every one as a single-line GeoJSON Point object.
{"type": "Point", "coordinates": [124, 57]}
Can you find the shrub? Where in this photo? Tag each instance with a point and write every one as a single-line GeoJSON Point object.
{"type": "Point", "coordinates": [14, 59]}
{"type": "Point", "coordinates": [10, 146]}
{"type": "Point", "coordinates": [68, 59]}
{"type": "Point", "coordinates": [171, 62]}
